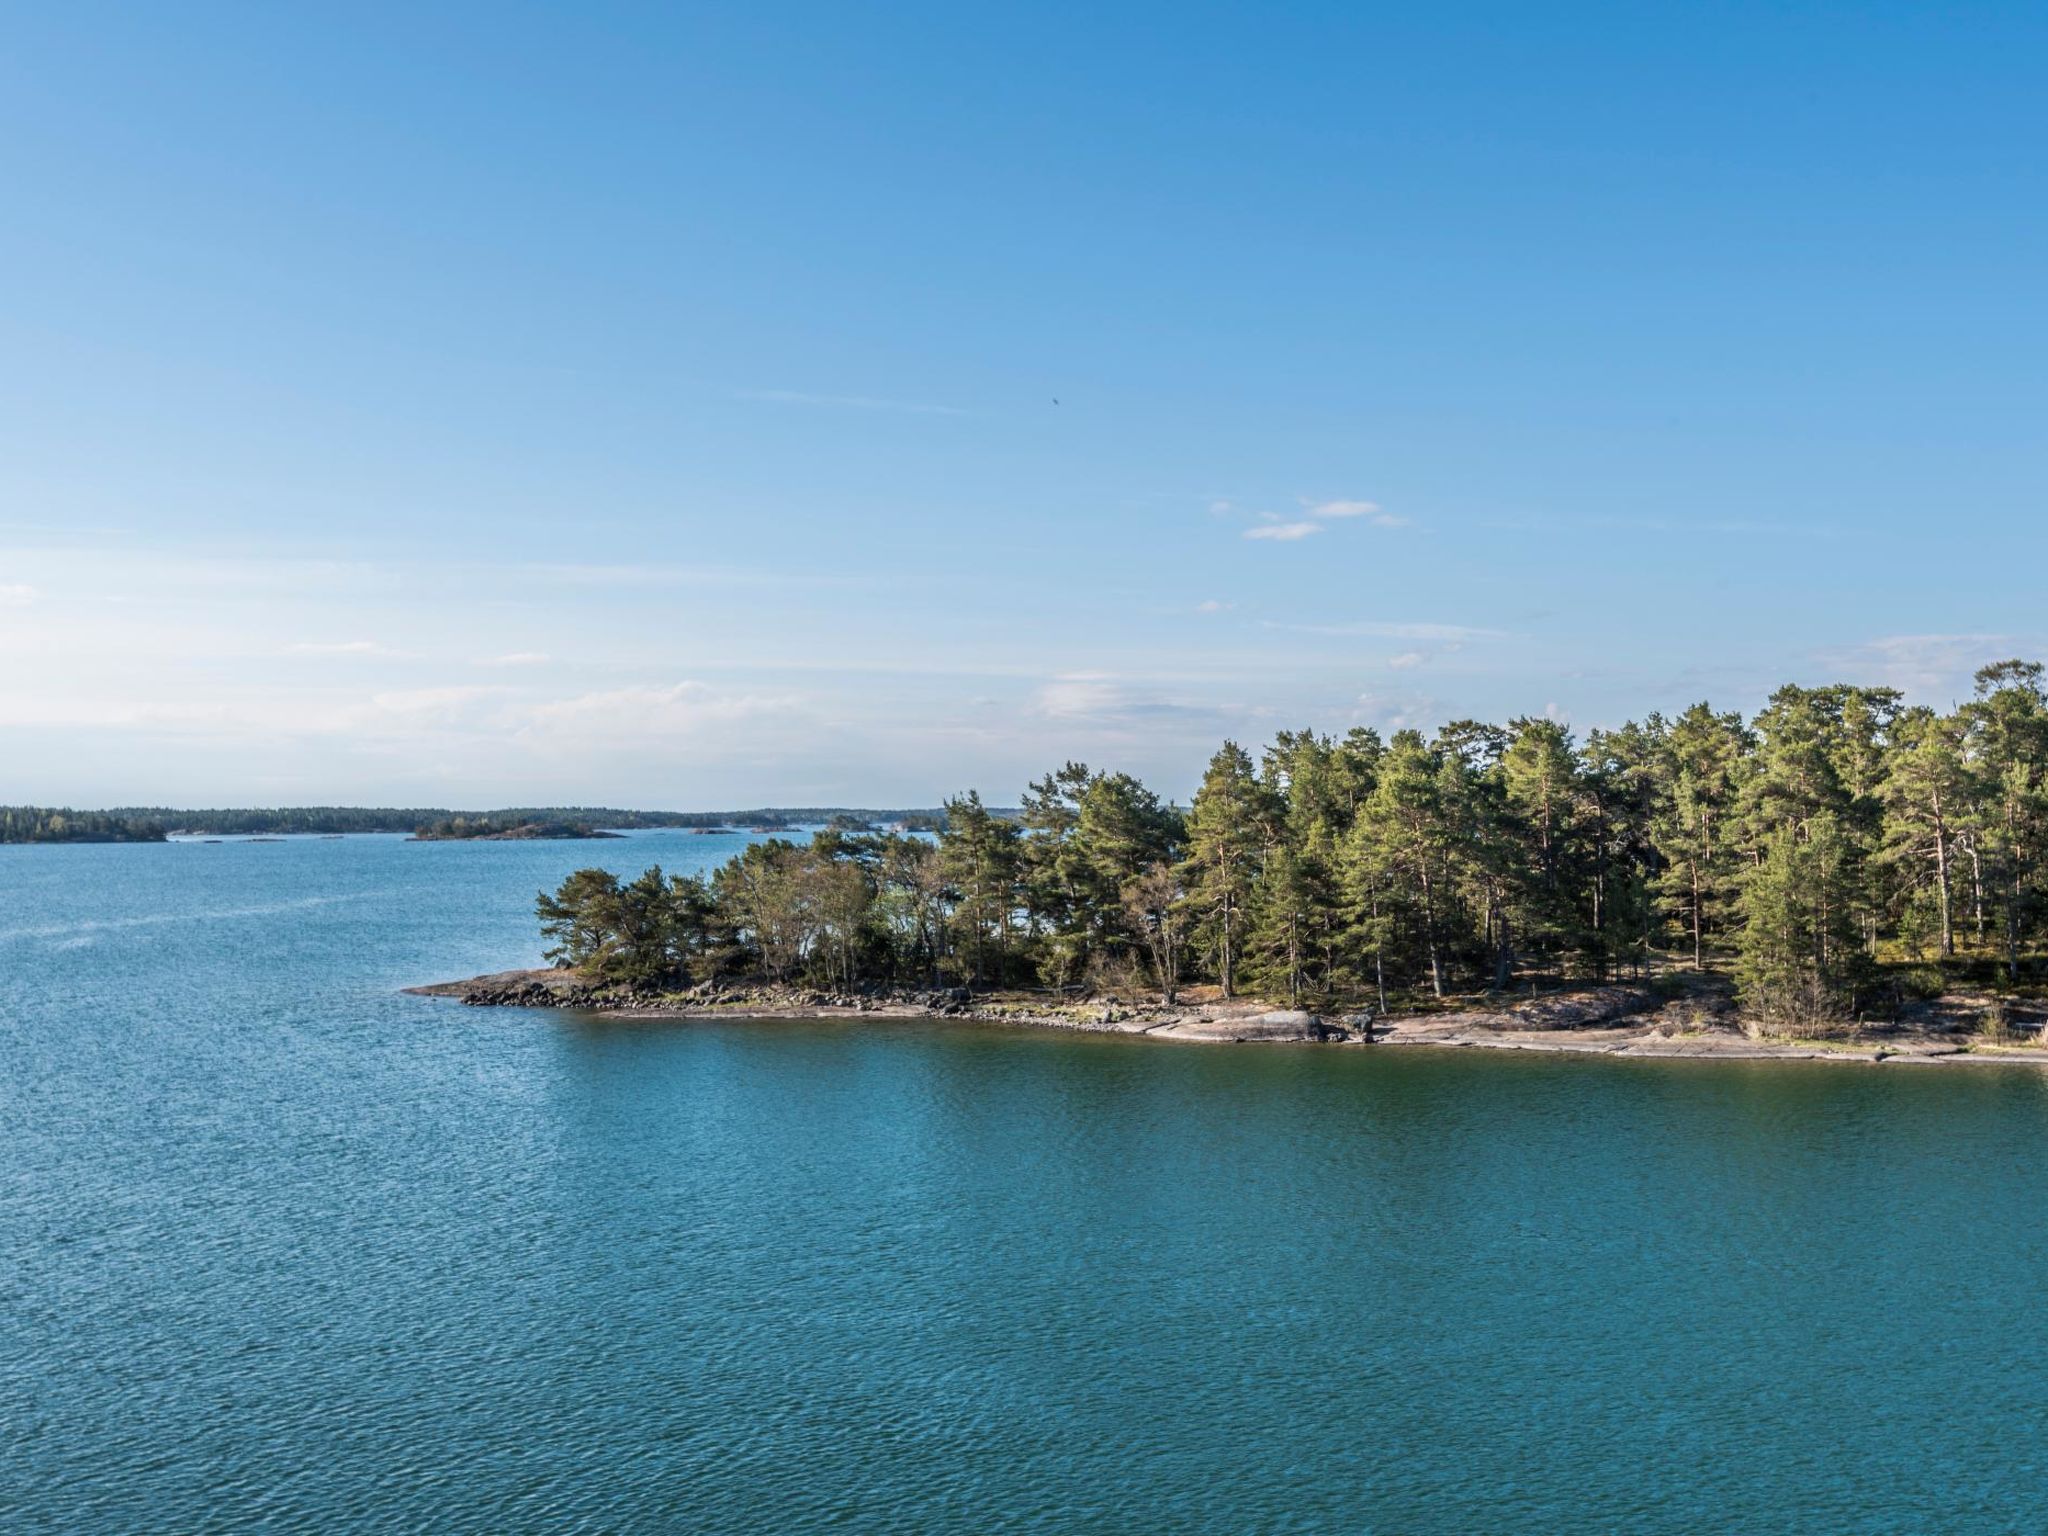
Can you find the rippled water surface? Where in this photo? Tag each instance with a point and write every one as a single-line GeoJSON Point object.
{"type": "Point", "coordinates": [284, 1250]}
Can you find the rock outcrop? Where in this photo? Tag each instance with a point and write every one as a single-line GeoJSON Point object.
{"type": "Point", "coordinates": [1276, 1024]}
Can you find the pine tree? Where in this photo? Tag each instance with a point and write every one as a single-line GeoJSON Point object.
{"type": "Point", "coordinates": [1694, 825]}
{"type": "Point", "coordinates": [1230, 829]}
{"type": "Point", "coordinates": [580, 918]}
{"type": "Point", "coordinates": [1054, 870]}
{"type": "Point", "coordinates": [1620, 777]}
{"type": "Point", "coordinates": [1397, 855]}
{"type": "Point", "coordinates": [979, 853]}
{"type": "Point", "coordinates": [2007, 746]}
{"type": "Point", "coordinates": [1546, 807]}
{"type": "Point", "coordinates": [1927, 803]}
{"type": "Point", "coordinates": [1299, 922]}
{"type": "Point", "coordinates": [1801, 954]}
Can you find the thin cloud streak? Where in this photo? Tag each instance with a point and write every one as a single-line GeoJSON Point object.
{"type": "Point", "coordinates": [1369, 511]}
{"type": "Point", "coordinates": [338, 648]}
{"type": "Point", "coordinates": [1926, 665]}
{"type": "Point", "coordinates": [846, 402]}
{"type": "Point", "coordinates": [652, 575]}
{"type": "Point", "coordinates": [1316, 517]}
{"type": "Point", "coordinates": [1373, 629]}
{"type": "Point", "coordinates": [1660, 525]}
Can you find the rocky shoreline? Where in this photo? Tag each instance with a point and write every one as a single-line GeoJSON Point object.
{"type": "Point", "coordinates": [1223, 1022]}
{"type": "Point", "coordinates": [1606, 1020]}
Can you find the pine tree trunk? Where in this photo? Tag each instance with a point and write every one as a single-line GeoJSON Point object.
{"type": "Point", "coordinates": [2012, 933]}
{"type": "Point", "coordinates": [1698, 945]}
{"type": "Point", "coordinates": [1599, 902]}
{"type": "Point", "coordinates": [1379, 954]}
{"type": "Point", "coordinates": [1948, 931]}
{"type": "Point", "coordinates": [1228, 990]}
{"type": "Point", "coordinates": [1436, 967]}
{"type": "Point", "coordinates": [1976, 890]}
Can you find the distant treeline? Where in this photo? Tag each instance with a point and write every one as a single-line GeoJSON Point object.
{"type": "Point", "coordinates": [487, 828]}
{"type": "Point", "coordinates": [1838, 852]}
{"type": "Point", "coordinates": [40, 824]}
{"type": "Point", "coordinates": [46, 824]}
{"type": "Point", "coordinates": [348, 818]}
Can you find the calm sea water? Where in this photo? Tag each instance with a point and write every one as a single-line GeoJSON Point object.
{"type": "Point", "coordinates": [283, 1250]}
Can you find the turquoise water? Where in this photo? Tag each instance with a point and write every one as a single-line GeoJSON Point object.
{"type": "Point", "coordinates": [283, 1250]}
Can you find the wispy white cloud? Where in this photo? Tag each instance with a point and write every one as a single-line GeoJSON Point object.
{"type": "Point", "coordinates": [642, 711]}
{"type": "Point", "coordinates": [426, 717]}
{"type": "Point", "coordinates": [518, 659]}
{"type": "Point", "coordinates": [439, 701]}
{"type": "Point", "coordinates": [1396, 712]}
{"type": "Point", "coordinates": [257, 716]}
{"type": "Point", "coordinates": [16, 594]}
{"type": "Point", "coordinates": [1369, 511]}
{"type": "Point", "coordinates": [1407, 660]}
{"type": "Point", "coordinates": [1931, 666]}
{"type": "Point", "coordinates": [655, 574]}
{"type": "Point", "coordinates": [846, 402]}
{"type": "Point", "coordinates": [1103, 700]}
{"type": "Point", "coordinates": [1077, 694]}
{"type": "Point", "coordinates": [1374, 629]}
{"type": "Point", "coordinates": [339, 648]}
{"type": "Point", "coordinates": [1214, 605]}
{"type": "Point", "coordinates": [65, 530]}
{"type": "Point", "coordinates": [1689, 526]}
{"type": "Point", "coordinates": [1316, 516]}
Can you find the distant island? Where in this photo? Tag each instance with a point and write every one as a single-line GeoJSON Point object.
{"type": "Point", "coordinates": [1839, 875]}
{"type": "Point", "coordinates": [460, 829]}
{"type": "Point", "coordinates": [154, 824]}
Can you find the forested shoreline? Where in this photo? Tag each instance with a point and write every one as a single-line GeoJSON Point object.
{"type": "Point", "coordinates": [1837, 854]}
{"type": "Point", "coordinates": [60, 824]}
{"type": "Point", "coordinates": [120, 824]}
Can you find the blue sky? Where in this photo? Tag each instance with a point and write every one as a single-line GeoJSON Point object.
{"type": "Point", "coordinates": [654, 404]}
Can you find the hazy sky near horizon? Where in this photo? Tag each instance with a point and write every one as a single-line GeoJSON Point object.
{"type": "Point", "coordinates": [655, 404]}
